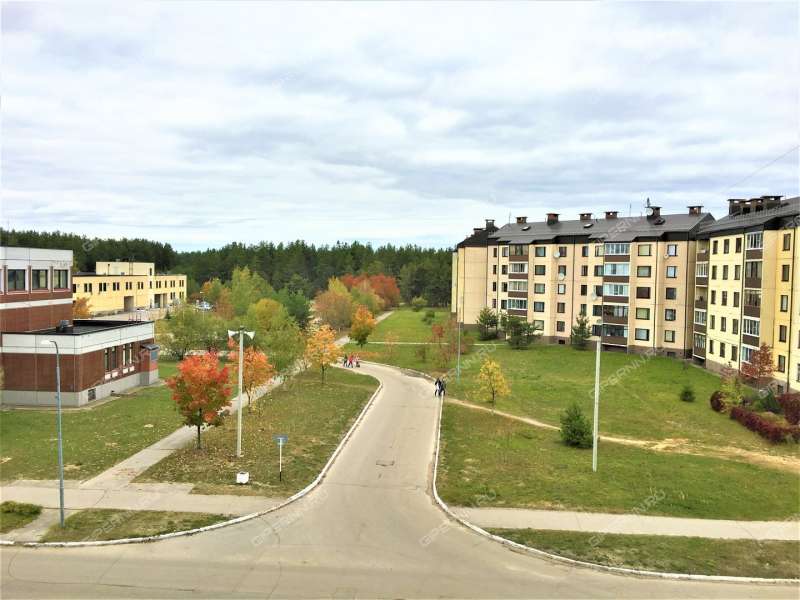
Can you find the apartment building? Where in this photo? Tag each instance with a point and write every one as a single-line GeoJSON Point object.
{"type": "Point", "coordinates": [124, 286]}
{"type": "Point", "coordinates": [98, 358]}
{"type": "Point", "coordinates": [633, 276]}
{"type": "Point", "coordinates": [746, 290]}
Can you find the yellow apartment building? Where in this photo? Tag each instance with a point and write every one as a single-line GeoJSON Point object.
{"type": "Point", "coordinates": [123, 286]}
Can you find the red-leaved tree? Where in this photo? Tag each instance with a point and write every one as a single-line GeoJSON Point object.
{"type": "Point", "coordinates": [201, 389]}
{"type": "Point", "coordinates": [257, 369]}
{"type": "Point", "coordinates": [759, 368]}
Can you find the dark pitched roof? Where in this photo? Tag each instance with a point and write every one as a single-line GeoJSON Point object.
{"type": "Point", "coordinates": [771, 218]}
{"type": "Point", "coordinates": [479, 237]}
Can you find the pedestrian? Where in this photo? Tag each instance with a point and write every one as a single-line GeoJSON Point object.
{"type": "Point", "coordinates": [442, 388]}
{"type": "Point", "coordinates": [437, 387]}
{"type": "Point", "coordinates": [358, 361]}
{"type": "Point", "coordinates": [351, 362]}
{"type": "Point", "coordinates": [344, 360]}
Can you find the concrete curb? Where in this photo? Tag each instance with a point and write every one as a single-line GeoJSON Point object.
{"type": "Point", "coordinates": [242, 519]}
{"type": "Point", "coordinates": [517, 547]}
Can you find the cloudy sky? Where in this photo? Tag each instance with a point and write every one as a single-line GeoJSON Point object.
{"type": "Point", "coordinates": [201, 124]}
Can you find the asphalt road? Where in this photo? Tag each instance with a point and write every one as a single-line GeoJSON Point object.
{"type": "Point", "coordinates": [371, 530]}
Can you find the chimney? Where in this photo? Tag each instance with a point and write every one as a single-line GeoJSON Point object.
{"type": "Point", "coordinates": [521, 220]}
{"type": "Point", "coordinates": [696, 209]}
{"type": "Point", "coordinates": [490, 225]}
{"type": "Point", "coordinates": [735, 205]}
{"type": "Point", "coordinates": [586, 216]}
{"type": "Point", "coordinates": [653, 212]}
{"type": "Point", "coordinates": [611, 214]}
{"type": "Point", "coordinates": [476, 230]}
{"type": "Point", "coordinates": [552, 218]}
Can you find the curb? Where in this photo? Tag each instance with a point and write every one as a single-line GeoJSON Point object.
{"type": "Point", "coordinates": [242, 519]}
{"type": "Point", "coordinates": [517, 547]}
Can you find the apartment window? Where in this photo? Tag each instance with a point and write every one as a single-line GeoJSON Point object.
{"type": "Point", "coordinates": [755, 241]}
{"type": "Point", "coordinates": [784, 272]}
{"type": "Point", "coordinates": [562, 251]}
{"type": "Point", "coordinates": [598, 270]}
{"type": "Point", "coordinates": [584, 250]}
{"type": "Point", "coordinates": [699, 341]}
{"type": "Point", "coordinates": [644, 250]}
{"type": "Point", "coordinates": [598, 250]}
{"type": "Point", "coordinates": [540, 251]}
{"type": "Point", "coordinates": [724, 298]}
{"type": "Point", "coordinates": [505, 251]}
{"type": "Point", "coordinates": [584, 289]}
{"type": "Point", "coordinates": [503, 304]}
{"type": "Point", "coordinates": [672, 249]}
{"type": "Point", "coordinates": [734, 351]}
{"type": "Point", "coordinates": [670, 314]}
{"type": "Point", "coordinates": [538, 307]}
{"type": "Point", "coordinates": [562, 288]}
{"type": "Point", "coordinates": [736, 299]}
{"type": "Point", "coordinates": [781, 363]}
{"type": "Point", "coordinates": [584, 270]}
{"type": "Point", "coordinates": [672, 272]}
{"type": "Point", "coordinates": [669, 335]}
{"type": "Point", "coordinates": [671, 293]}
{"type": "Point", "coordinates": [615, 310]}
{"type": "Point", "coordinates": [721, 350]}
{"type": "Point", "coordinates": [615, 289]}
{"type": "Point", "coordinates": [642, 334]}
{"type": "Point", "coordinates": [494, 252]}
{"type": "Point", "coordinates": [713, 296]}
{"type": "Point", "coordinates": [616, 269]}
{"type": "Point", "coordinates": [494, 302]}
{"type": "Point", "coordinates": [747, 353]}
{"type": "Point", "coordinates": [102, 287]}
{"type": "Point", "coordinates": [784, 303]}
{"type": "Point", "coordinates": [539, 269]}
{"type": "Point", "coordinates": [723, 323]}
{"type": "Point", "coordinates": [782, 333]}
{"type": "Point", "coordinates": [735, 327]}
{"type": "Point", "coordinates": [503, 271]}
{"type": "Point", "coordinates": [87, 288]}
{"type": "Point", "coordinates": [616, 249]}
{"type": "Point", "coordinates": [738, 244]}
{"type": "Point", "coordinates": [74, 288]}
{"type": "Point", "coordinates": [699, 317]}
{"type": "Point", "coordinates": [561, 307]}
{"type": "Point", "coordinates": [583, 309]}
{"type": "Point", "coordinates": [715, 247]}
{"type": "Point", "coordinates": [538, 288]}
{"type": "Point", "coordinates": [519, 250]}
{"type": "Point", "coordinates": [711, 322]}
{"type": "Point", "coordinates": [115, 286]}
{"type": "Point", "coordinates": [726, 246]}
{"type": "Point", "coordinates": [752, 297]}
{"type": "Point", "coordinates": [516, 285]}
{"type": "Point", "coordinates": [504, 287]}
{"type": "Point", "coordinates": [701, 270]}
{"type": "Point", "coordinates": [562, 270]}
{"type": "Point", "coordinates": [538, 324]}
{"type": "Point", "coordinates": [752, 269]}
{"type": "Point", "coordinates": [39, 279]}
{"type": "Point", "coordinates": [787, 242]}
{"type": "Point", "coordinates": [643, 271]}
{"type": "Point", "coordinates": [494, 286]}
{"type": "Point", "coordinates": [711, 346]}
{"type": "Point", "coordinates": [714, 272]}
{"type": "Point", "coordinates": [15, 280]}
{"type": "Point", "coordinates": [128, 285]}
{"type": "Point", "coordinates": [643, 314]}
{"type": "Point", "coordinates": [615, 331]}
{"type": "Point", "coordinates": [598, 291]}
{"type": "Point", "coordinates": [597, 310]}
{"type": "Point", "coordinates": [60, 279]}
{"type": "Point", "coordinates": [724, 272]}
{"type": "Point", "coordinates": [643, 292]}
{"type": "Point", "coordinates": [560, 326]}
{"type": "Point", "coordinates": [751, 326]}
{"type": "Point", "coordinates": [517, 304]}
{"type": "Point", "coordinates": [494, 269]}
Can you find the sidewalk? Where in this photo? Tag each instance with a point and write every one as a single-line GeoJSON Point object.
{"type": "Point", "coordinates": [561, 520]}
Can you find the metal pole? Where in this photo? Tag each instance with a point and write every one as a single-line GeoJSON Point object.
{"type": "Point", "coordinates": [280, 462]}
{"type": "Point", "coordinates": [60, 439]}
{"type": "Point", "coordinates": [596, 400]}
{"type": "Point", "coordinates": [458, 356]}
{"type": "Point", "coordinates": [239, 412]}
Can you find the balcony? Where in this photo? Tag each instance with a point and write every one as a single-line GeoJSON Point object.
{"type": "Point", "coordinates": [702, 256]}
{"type": "Point", "coordinates": [752, 282]}
{"type": "Point", "coordinates": [518, 275]}
{"type": "Point", "coordinates": [518, 258]}
{"type": "Point", "coordinates": [617, 299]}
{"type": "Point", "coordinates": [615, 320]}
{"type": "Point", "coordinates": [701, 303]}
{"type": "Point", "coordinates": [616, 278]}
{"type": "Point", "coordinates": [701, 281]}
{"type": "Point", "coordinates": [517, 294]}
{"type": "Point", "coordinates": [751, 311]}
{"type": "Point", "coordinates": [701, 352]}
{"type": "Point", "coordinates": [517, 312]}
{"type": "Point", "coordinates": [615, 340]}
{"type": "Point", "coordinates": [699, 328]}
{"type": "Point", "coordinates": [755, 254]}
{"type": "Point", "coordinates": [750, 340]}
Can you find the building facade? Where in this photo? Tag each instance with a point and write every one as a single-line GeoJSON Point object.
{"type": "Point", "coordinates": [97, 358]}
{"type": "Point", "coordinates": [122, 286]}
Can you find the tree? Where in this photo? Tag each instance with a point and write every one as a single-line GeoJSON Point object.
{"type": "Point", "coordinates": [391, 344]}
{"type": "Point", "coordinates": [487, 323]}
{"type": "Point", "coordinates": [493, 383]}
{"type": "Point", "coordinates": [687, 393]}
{"type": "Point", "coordinates": [182, 333]}
{"type": "Point", "coordinates": [335, 305]}
{"type": "Point", "coordinates": [576, 430]}
{"type": "Point", "coordinates": [418, 303]}
{"type": "Point", "coordinates": [519, 332]}
{"type": "Point", "coordinates": [296, 303]}
{"type": "Point", "coordinates": [731, 386]}
{"type": "Point", "coordinates": [257, 369]}
{"type": "Point", "coordinates": [760, 367]}
{"type": "Point", "coordinates": [201, 389]}
{"type": "Point", "coordinates": [247, 288]}
{"type": "Point", "coordinates": [362, 326]}
{"type": "Point", "coordinates": [581, 332]}
{"type": "Point", "coordinates": [363, 294]}
{"type": "Point", "coordinates": [81, 309]}
{"type": "Point", "coordinates": [321, 349]}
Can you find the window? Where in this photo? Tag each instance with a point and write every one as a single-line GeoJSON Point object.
{"type": "Point", "coordinates": [583, 309]}
{"type": "Point", "coordinates": [747, 353]}
{"type": "Point", "coordinates": [538, 307]}
{"type": "Point", "coordinates": [714, 272]}
{"type": "Point", "coordinates": [711, 346]}
{"type": "Point", "coordinates": [784, 272]}
{"type": "Point", "coordinates": [562, 288]}
{"type": "Point", "coordinates": [519, 250]}
{"type": "Point", "coordinates": [642, 334]}
{"type": "Point", "coordinates": [787, 242]}
{"type": "Point", "coordinates": [538, 324]}
{"type": "Point", "coordinates": [561, 307]}
{"type": "Point", "coordinates": [598, 291]}
{"type": "Point", "coordinates": [671, 293]}
{"type": "Point", "coordinates": [726, 246]}
{"type": "Point", "coordinates": [616, 269]}
{"type": "Point", "coordinates": [538, 288]}
{"type": "Point", "coordinates": [539, 270]}
{"type": "Point", "coordinates": [494, 302]}
{"type": "Point", "coordinates": [699, 317]}
{"type": "Point", "coordinates": [670, 314]}
{"type": "Point", "coordinates": [598, 270]}
{"type": "Point", "coordinates": [715, 247]}
{"type": "Point", "coordinates": [87, 287]}
{"type": "Point", "coordinates": [584, 270]}
{"type": "Point", "coordinates": [643, 271]}
{"type": "Point", "coordinates": [583, 289]}
{"type": "Point", "coordinates": [562, 251]}
{"type": "Point", "coordinates": [738, 244]}
{"type": "Point", "coordinates": [115, 286]}
{"type": "Point", "coordinates": [643, 314]}
{"type": "Point", "coordinates": [711, 322]}
{"type": "Point", "coordinates": [722, 350]}
{"type": "Point", "coordinates": [723, 323]}
{"type": "Point", "coordinates": [597, 310]}
{"type": "Point", "coordinates": [560, 326]}
{"type": "Point", "coordinates": [598, 250]}
{"type": "Point", "coordinates": [562, 270]}
{"type": "Point", "coordinates": [494, 286]}
{"type": "Point", "coordinates": [669, 335]}
{"type": "Point", "coordinates": [503, 304]}
{"type": "Point", "coordinates": [517, 304]}
{"type": "Point", "coordinates": [724, 298]}
{"type": "Point", "coordinates": [751, 326]}
{"type": "Point", "coordinates": [672, 249]}
{"type": "Point", "coordinates": [584, 250]}
{"type": "Point", "coordinates": [615, 289]}
{"type": "Point", "coordinates": [39, 279]}
{"type": "Point", "coordinates": [752, 269]}
{"type": "Point", "coordinates": [735, 327]}
{"type": "Point", "coordinates": [713, 296]}
{"type": "Point", "coordinates": [616, 249]}
{"type": "Point", "coordinates": [615, 310]}
{"type": "Point", "coordinates": [737, 272]}
{"type": "Point", "coordinates": [782, 333]}
{"type": "Point", "coordinates": [505, 251]}
{"type": "Point", "coordinates": [701, 270]}
{"type": "Point", "coordinates": [784, 303]}
{"type": "Point", "coordinates": [734, 351]}
{"type": "Point", "coordinates": [615, 330]}
{"type": "Point", "coordinates": [540, 251]}
{"type": "Point", "coordinates": [74, 288]}
{"type": "Point", "coordinates": [15, 280]}
{"type": "Point", "coordinates": [644, 249]}
{"type": "Point", "coordinates": [755, 241]}
{"type": "Point", "coordinates": [724, 272]}
{"type": "Point", "coordinates": [503, 269]}
{"type": "Point", "coordinates": [781, 363]}
{"type": "Point", "coordinates": [736, 299]}
{"type": "Point", "coordinates": [504, 287]}
{"type": "Point", "coordinates": [752, 298]}
{"type": "Point", "coordinates": [643, 292]}
{"type": "Point", "coordinates": [494, 270]}
{"type": "Point", "coordinates": [494, 252]}
{"type": "Point", "coordinates": [672, 272]}
{"type": "Point", "coordinates": [516, 285]}
{"type": "Point", "coordinates": [699, 341]}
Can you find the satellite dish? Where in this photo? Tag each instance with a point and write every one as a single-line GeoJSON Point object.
{"type": "Point", "coordinates": [561, 276]}
{"type": "Point", "coordinates": [556, 254]}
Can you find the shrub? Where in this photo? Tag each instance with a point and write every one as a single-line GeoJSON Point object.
{"type": "Point", "coordinates": [421, 353]}
{"type": "Point", "coordinates": [430, 315]}
{"type": "Point", "coordinates": [790, 403]}
{"type": "Point", "coordinates": [717, 401]}
{"type": "Point", "coordinates": [768, 402]}
{"type": "Point", "coordinates": [576, 430]}
{"type": "Point", "coordinates": [418, 303]}
{"type": "Point", "coordinates": [20, 508]}
{"type": "Point", "coordinates": [766, 428]}
{"type": "Point", "coordinates": [687, 394]}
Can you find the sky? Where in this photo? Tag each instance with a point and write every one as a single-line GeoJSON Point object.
{"type": "Point", "coordinates": [200, 124]}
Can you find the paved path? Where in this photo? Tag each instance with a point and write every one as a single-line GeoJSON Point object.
{"type": "Point", "coordinates": [370, 530]}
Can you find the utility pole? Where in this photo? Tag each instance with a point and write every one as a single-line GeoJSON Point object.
{"type": "Point", "coordinates": [241, 333]}
{"type": "Point", "coordinates": [60, 437]}
{"type": "Point", "coordinates": [596, 397]}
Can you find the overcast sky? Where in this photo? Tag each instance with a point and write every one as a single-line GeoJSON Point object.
{"type": "Point", "coordinates": [201, 124]}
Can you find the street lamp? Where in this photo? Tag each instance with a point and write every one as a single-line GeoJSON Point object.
{"type": "Point", "coordinates": [60, 444]}
{"type": "Point", "coordinates": [596, 394]}
{"type": "Point", "coordinates": [241, 333]}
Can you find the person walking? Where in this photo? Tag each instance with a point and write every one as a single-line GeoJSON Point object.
{"type": "Point", "coordinates": [437, 387]}
{"type": "Point", "coordinates": [442, 388]}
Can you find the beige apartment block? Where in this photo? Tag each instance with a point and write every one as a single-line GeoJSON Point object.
{"type": "Point", "coordinates": [123, 286]}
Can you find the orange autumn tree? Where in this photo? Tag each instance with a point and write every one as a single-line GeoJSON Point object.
{"type": "Point", "coordinates": [362, 326]}
{"type": "Point", "coordinates": [201, 389]}
{"type": "Point", "coordinates": [759, 368]}
{"type": "Point", "coordinates": [321, 349]}
{"type": "Point", "coordinates": [257, 369]}
{"type": "Point", "coordinates": [81, 309]}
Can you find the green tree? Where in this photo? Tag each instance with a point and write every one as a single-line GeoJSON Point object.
{"type": "Point", "coordinates": [576, 430]}
{"type": "Point", "coordinates": [418, 303]}
{"type": "Point", "coordinates": [181, 333]}
{"type": "Point", "coordinates": [298, 306]}
{"type": "Point", "coordinates": [519, 332]}
{"type": "Point", "coordinates": [487, 323]}
{"type": "Point", "coordinates": [247, 288]}
{"type": "Point", "coordinates": [581, 332]}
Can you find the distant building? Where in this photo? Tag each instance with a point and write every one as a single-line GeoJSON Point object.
{"type": "Point", "coordinates": [97, 357]}
{"type": "Point", "coordinates": [122, 286]}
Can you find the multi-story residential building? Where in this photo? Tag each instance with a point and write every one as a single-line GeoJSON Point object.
{"type": "Point", "coordinates": [632, 276]}
{"type": "Point", "coordinates": [746, 288]}
{"type": "Point", "coordinates": [97, 357]}
{"type": "Point", "coordinates": [123, 286]}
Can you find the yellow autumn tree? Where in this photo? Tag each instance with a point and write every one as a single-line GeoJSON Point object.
{"type": "Point", "coordinates": [321, 349]}
{"type": "Point", "coordinates": [493, 383]}
{"type": "Point", "coordinates": [362, 325]}
{"type": "Point", "coordinates": [81, 309]}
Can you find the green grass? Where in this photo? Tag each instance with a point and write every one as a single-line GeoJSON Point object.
{"type": "Point", "coordinates": [492, 461]}
{"type": "Point", "coordinates": [407, 325]}
{"type": "Point", "coordinates": [94, 439]}
{"type": "Point", "coordinates": [314, 416]}
{"type": "Point", "coordinates": [698, 556]}
{"type": "Point", "coordinates": [108, 524]}
{"type": "Point", "coordinates": [17, 514]}
{"type": "Point", "coordinates": [639, 398]}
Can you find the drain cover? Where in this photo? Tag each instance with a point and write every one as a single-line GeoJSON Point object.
{"type": "Point", "coordinates": [384, 463]}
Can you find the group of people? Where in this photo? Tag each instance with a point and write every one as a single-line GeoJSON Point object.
{"type": "Point", "coordinates": [439, 387]}
{"type": "Point", "coordinates": [350, 361]}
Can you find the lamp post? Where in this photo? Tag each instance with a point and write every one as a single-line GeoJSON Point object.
{"type": "Point", "coordinates": [241, 333]}
{"type": "Point", "coordinates": [60, 444]}
{"type": "Point", "coordinates": [596, 396]}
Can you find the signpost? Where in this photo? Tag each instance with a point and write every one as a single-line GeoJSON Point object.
{"type": "Point", "coordinates": [281, 439]}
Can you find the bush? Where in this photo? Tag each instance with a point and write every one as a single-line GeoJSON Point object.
{"type": "Point", "coordinates": [768, 402]}
{"type": "Point", "coordinates": [418, 303]}
{"type": "Point", "coordinates": [20, 508]}
{"type": "Point", "coordinates": [687, 394]}
{"type": "Point", "coordinates": [576, 430]}
{"type": "Point", "coordinates": [717, 401]}
{"type": "Point", "coordinates": [790, 403]}
{"type": "Point", "coordinates": [766, 428]}
{"type": "Point", "coordinates": [430, 315]}
{"type": "Point", "coordinates": [421, 353]}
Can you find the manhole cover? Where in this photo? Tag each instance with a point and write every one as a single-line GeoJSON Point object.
{"type": "Point", "coordinates": [384, 463]}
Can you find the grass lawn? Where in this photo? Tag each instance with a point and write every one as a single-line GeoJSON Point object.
{"type": "Point", "coordinates": [699, 556]}
{"type": "Point", "coordinates": [94, 439]}
{"type": "Point", "coordinates": [639, 401]}
{"type": "Point", "coordinates": [17, 514]}
{"type": "Point", "coordinates": [408, 325]}
{"type": "Point", "coordinates": [314, 416]}
{"type": "Point", "coordinates": [99, 524]}
{"type": "Point", "coordinates": [492, 461]}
